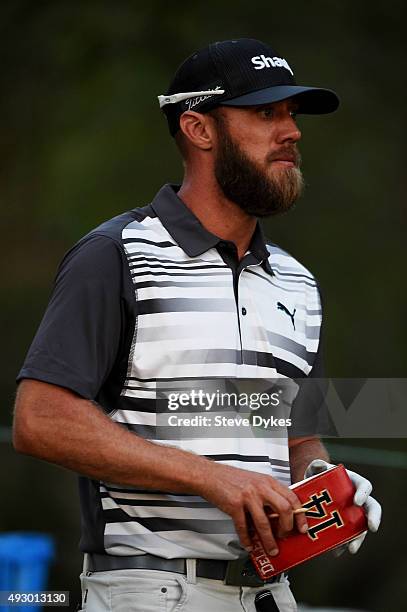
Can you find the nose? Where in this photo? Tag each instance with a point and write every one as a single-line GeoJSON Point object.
{"type": "Point", "coordinates": [288, 130]}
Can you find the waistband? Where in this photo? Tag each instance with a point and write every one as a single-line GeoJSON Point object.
{"type": "Point", "coordinates": [239, 572]}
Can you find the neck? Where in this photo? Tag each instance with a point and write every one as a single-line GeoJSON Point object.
{"type": "Point", "coordinates": [200, 192]}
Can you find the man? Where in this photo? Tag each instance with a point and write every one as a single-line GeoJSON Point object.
{"type": "Point", "coordinates": [184, 294]}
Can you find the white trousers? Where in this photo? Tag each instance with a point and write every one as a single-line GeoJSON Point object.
{"type": "Point", "coordinates": [138, 590]}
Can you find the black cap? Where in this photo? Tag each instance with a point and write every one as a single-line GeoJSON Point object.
{"type": "Point", "coordinates": [242, 72]}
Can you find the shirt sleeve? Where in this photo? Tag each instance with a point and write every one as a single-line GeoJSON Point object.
{"type": "Point", "coordinates": [309, 414]}
{"type": "Point", "coordinates": [79, 337]}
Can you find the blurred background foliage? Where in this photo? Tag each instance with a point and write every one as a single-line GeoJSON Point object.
{"type": "Point", "coordinates": [82, 139]}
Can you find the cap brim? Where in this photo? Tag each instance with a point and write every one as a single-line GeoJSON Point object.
{"type": "Point", "coordinates": [311, 100]}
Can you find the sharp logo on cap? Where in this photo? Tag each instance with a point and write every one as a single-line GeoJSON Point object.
{"type": "Point", "coordinates": [261, 61]}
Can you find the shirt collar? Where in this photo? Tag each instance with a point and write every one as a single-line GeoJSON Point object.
{"type": "Point", "coordinates": [189, 232]}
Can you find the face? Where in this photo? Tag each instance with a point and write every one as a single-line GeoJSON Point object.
{"type": "Point", "coordinates": [257, 163]}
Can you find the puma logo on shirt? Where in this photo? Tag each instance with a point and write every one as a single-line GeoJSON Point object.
{"type": "Point", "coordinates": [281, 306]}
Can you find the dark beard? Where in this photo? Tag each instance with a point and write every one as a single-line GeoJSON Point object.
{"type": "Point", "coordinates": [248, 185]}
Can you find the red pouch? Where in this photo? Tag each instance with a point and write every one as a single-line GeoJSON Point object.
{"type": "Point", "coordinates": [332, 517]}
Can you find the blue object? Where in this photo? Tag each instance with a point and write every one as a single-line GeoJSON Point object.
{"type": "Point", "coordinates": [24, 564]}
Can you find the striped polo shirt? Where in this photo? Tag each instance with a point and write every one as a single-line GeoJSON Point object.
{"type": "Point", "coordinates": [150, 303]}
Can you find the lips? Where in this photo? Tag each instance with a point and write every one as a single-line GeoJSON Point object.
{"type": "Point", "coordinates": [288, 158]}
{"type": "Point", "coordinates": [285, 164]}
{"type": "Point", "coordinates": [284, 156]}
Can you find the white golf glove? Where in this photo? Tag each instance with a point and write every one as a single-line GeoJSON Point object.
{"type": "Point", "coordinates": [362, 498]}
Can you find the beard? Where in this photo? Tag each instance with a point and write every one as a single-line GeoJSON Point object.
{"type": "Point", "coordinates": [257, 190]}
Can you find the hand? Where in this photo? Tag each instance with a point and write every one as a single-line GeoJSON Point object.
{"type": "Point", "coordinates": [246, 495]}
{"type": "Point", "coordinates": [361, 498]}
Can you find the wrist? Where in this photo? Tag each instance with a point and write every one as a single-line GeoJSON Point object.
{"type": "Point", "coordinates": [207, 478]}
{"type": "Point", "coordinates": [196, 473]}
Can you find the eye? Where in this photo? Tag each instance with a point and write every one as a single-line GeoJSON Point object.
{"type": "Point", "coordinates": [267, 113]}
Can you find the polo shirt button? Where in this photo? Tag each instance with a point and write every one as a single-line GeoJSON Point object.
{"type": "Point", "coordinates": [244, 311]}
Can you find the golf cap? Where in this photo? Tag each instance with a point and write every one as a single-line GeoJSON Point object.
{"type": "Point", "coordinates": [242, 72]}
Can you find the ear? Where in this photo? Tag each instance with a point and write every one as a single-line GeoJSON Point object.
{"type": "Point", "coordinates": [198, 129]}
